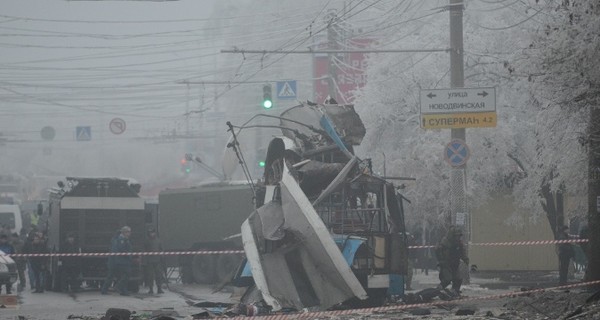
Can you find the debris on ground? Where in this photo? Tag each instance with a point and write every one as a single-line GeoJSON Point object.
{"type": "Point", "coordinates": [565, 304]}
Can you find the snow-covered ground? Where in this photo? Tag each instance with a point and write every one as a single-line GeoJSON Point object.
{"type": "Point", "coordinates": [179, 299]}
{"type": "Point", "coordinates": [54, 305]}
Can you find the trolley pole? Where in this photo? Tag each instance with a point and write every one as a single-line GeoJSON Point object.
{"type": "Point", "coordinates": [332, 38]}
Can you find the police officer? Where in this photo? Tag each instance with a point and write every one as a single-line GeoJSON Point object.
{"type": "Point", "coordinates": [449, 252]}
{"type": "Point", "coordinates": [119, 266]}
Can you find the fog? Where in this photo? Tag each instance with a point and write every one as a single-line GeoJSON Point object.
{"type": "Point", "coordinates": [156, 68]}
{"type": "Point", "coordinates": [70, 64]}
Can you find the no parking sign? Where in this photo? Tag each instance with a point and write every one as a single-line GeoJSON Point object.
{"type": "Point", "coordinates": [457, 153]}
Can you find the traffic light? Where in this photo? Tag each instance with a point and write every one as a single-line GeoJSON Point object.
{"type": "Point", "coordinates": [186, 166]}
{"type": "Point", "coordinates": [260, 156]}
{"type": "Point", "coordinates": [267, 96]}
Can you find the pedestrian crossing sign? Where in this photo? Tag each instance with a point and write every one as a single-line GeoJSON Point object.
{"type": "Point", "coordinates": [286, 90]}
{"type": "Point", "coordinates": [83, 133]}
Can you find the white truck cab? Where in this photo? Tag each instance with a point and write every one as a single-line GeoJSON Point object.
{"type": "Point", "coordinates": [10, 216]}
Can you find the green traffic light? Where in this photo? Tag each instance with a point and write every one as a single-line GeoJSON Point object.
{"type": "Point", "coordinates": [261, 163]}
{"type": "Point", "coordinates": [267, 96]}
{"type": "Point", "coordinates": [188, 170]}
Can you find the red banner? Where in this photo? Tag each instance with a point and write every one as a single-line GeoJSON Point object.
{"type": "Point", "coordinates": [350, 70]}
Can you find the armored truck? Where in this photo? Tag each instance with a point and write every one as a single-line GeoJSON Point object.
{"type": "Point", "coordinates": [204, 217]}
{"type": "Point", "coordinates": [94, 209]}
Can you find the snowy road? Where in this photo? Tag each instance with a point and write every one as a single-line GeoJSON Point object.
{"type": "Point", "coordinates": [54, 305]}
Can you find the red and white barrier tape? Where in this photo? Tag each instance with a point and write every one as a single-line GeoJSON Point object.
{"type": "Point", "coordinates": [107, 254]}
{"type": "Point", "coordinates": [514, 243]}
{"type": "Point", "coordinates": [204, 252]}
{"type": "Point", "coordinates": [367, 311]}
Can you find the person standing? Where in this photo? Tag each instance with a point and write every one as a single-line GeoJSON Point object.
{"type": "Point", "coordinates": [21, 263]}
{"type": "Point", "coordinates": [152, 263]}
{"type": "Point", "coordinates": [119, 266]}
{"type": "Point", "coordinates": [565, 253]}
{"type": "Point", "coordinates": [410, 241]}
{"type": "Point", "coordinates": [7, 248]}
{"type": "Point", "coordinates": [38, 265]}
{"type": "Point", "coordinates": [70, 266]}
{"type": "Point", "coordinates": [449, 252]}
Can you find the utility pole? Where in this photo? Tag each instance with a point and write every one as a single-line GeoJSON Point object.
{"type": "Point", "coordinates": [457, 180]}
{"type": "Point", "coordinates": [458, 175]}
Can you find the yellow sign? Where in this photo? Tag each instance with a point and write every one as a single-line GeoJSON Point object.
{"type": "Point", "coordinates": [458, 120]}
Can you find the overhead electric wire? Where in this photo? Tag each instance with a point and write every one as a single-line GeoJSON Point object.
{"type": "Point", "coordinates": [512, 25]}
{"type": "Point", "coordinates": [14, 18]}
{"type": "Point", "coordinates": [299, 43]}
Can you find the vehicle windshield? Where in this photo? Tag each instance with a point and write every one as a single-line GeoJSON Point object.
{"type": "Point", "coordinates": [7, 219]}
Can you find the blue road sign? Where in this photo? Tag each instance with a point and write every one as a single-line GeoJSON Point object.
{"type": "Point", "coordinates": [83, 133]}
{"type": "Point", "coordinates": [457, 153]}
{"type": "Point", "coordinates": [286, 90]}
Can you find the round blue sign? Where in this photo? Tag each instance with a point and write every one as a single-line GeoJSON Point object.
{"type": "Point", "coordinates": [457, 153]}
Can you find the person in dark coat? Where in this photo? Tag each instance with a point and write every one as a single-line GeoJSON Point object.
{"type": "Point", "coordinates": [153, 264]}
{"type": "Point", "coordinates": [119, 266]}
{"type": "Point", "coordinates": [70, 267]}
{"type": "Point", "coordinates": [449, 252]}
{"type": "Point", "coordinates": [7, 248]}
{"type": "Point", "coordinates": [21, 262]}
{"type": "Point", "coordinates": [565, 253]}
{"type": "Point", "coordinates": [38, 265]}
{"type": "Point", "coordinates": [410, 241]}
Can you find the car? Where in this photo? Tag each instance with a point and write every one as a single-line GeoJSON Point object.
{"type": "Point", "coordinates": [8, 269]}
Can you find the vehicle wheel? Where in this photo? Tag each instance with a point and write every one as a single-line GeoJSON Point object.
{"type": "Point", "coordinates": [203, 268]}
{"type": "Point", "coordinates": [227, 265]}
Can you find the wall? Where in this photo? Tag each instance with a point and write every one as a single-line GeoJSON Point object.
{"type": "Point", "coordinates": [489, 224]}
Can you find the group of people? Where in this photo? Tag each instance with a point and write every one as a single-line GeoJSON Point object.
{"type": "Point", "coordinates": [36, 266]}
{"type": "Point", "coordinates": [119, 267]}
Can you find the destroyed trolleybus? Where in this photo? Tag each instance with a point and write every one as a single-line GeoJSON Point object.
{"type": "Point", "coordinates": [328, 230]}
{"type": "Point", "coordinates": [94, 210]}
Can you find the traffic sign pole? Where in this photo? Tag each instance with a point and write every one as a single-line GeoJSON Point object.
{"type": "Point", "coordinates": [457, 80]}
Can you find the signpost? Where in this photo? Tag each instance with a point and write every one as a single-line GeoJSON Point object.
{"type": "Point", "coordinates": [286, 90]}
{"type": "Point", "coordinates": [458, 108]}
{"type": "Point", "coordinates": [459, 120]}
{"type": "Point", "coordinates": [48, 133]}
{"type": "Point", "coordinates": [457, 153]}
{"type": "Point", "coordinates": [83, 133]}
{"type": "Point", "coordinates": [117, 126]}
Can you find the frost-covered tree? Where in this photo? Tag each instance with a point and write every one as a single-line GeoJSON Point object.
{"type": "Point", "coordinates": [389, 104]}
{"type": "Point", "coordinates": [542, 58]}
{"type": "Point", "coordinates": [566, 91]}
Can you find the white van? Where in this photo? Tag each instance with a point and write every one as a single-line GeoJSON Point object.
{"type": "Point", "coordinates": [10, 216]}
